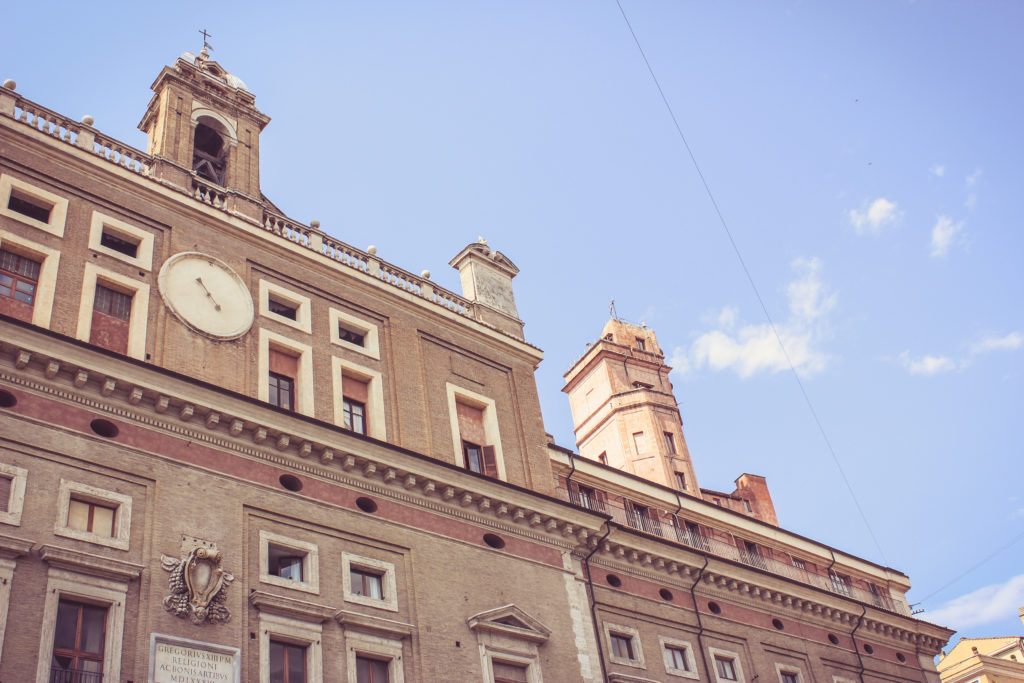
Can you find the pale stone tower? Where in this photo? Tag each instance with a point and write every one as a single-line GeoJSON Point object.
{"type": "Point", "coordinates": [624, 412]}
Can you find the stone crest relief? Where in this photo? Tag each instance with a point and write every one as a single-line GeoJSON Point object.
{"type": "Point", "coordinates": [198, 583]}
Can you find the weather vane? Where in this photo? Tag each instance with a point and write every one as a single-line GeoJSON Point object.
{"type": "Point", "coordinates": [206, 45]}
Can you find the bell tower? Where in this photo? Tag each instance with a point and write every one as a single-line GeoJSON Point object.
{"type": "Point", "coordinates": [204, 130]}
{"type": "Point", "coordinates": [623, 409]}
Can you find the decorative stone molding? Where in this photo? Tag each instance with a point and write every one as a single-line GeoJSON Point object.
{"type": "Point", "coordinates": [11, 547]}
{"type": "Point", "coordinates": [87, 563]}
{"type": "Point", "coordinates": [198, 585]}
{"type": "Point", "coordinates": [291, 607]}
{"type": "Point", "coordinates": [510, 620]}
{"type": "Point", "coordinates": [389, 628]}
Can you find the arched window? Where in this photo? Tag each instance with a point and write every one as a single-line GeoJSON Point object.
{"type": "Point", "coordinates": [210, 154]}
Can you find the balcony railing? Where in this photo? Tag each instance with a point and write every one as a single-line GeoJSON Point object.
{"type": "Point", "coordinates": [74, 676]}
{"type": "Point", "coordinates": [649, 522]}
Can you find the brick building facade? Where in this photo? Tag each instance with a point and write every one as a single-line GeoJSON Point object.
{"type": "Point", "coordinates": [233, 447]}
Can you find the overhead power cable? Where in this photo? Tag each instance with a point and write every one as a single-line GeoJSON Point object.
{"type": "Point", "coordinates": [750, 279]}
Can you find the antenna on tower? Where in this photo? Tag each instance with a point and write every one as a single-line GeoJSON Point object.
{"type": "Point", "coordinates": [611, 310]}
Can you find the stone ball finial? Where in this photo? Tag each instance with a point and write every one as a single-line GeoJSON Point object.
{"type": "Point", "coordinates": [88, 120]}
{"type": "Point", "coordinates": [481, 240]}
{"type": "Point", "coordinates": [315, 224]}
{"type": "Point", "coordinates": [425, 274]}
{"type": "Point", "coordinates": [371, 250]}
{"type": "Point", "coordinates": [10, 84]}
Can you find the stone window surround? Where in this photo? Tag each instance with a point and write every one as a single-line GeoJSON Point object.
{"type": "Point", "coordinates": [16, 500]}
{"type": "Point", "coordinates": [295, 632]}
{"type": "Point", "coordinates": [734, 656]}
{"type": "Point", "coordinates": [371, 336]}
{"type": "Point", "coordinates": [389, 585]}
{"type": "Point", "coordinates": [377, 647]}
{"type": "Point", "coordinates": [530, 662]}
{"type": "Point", "coordinates": [58, 214]}
{"type": "Point", "coordinates": [46, 286]}
{"type": "Point", "coordinates": [374, 394]}
{"type": "Point", "coordinates": [143, 256]}
{"type": "Point", "coordinates": [303, 383]}
{"type": "Point", "coordinates": [664, 642]}
{"type": "Point", "coordinates": [139, 317]}
{"type": "Point", "coordinates": [310, 562]}
{"type": "Point", "coordinates": [457, 394]}
{"type": "Point", "coordinates": [122, 516]}
{"type": "Point", "coordinates": [303, 320]}
{"type": "Point", "coordinates": [789, 669]}
{"type": "Point", "coordinates": [633, 635]}
{"type": "Point", "coordinates": [84, 588]}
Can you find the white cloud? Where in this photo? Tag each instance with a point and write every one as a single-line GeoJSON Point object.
{"type": "Point", "coordinates": [937, 170]}
{"type": "Point", "coordinates": [1010, 342]}
{"type": "Point", "coordinates": [983, 606]}
{"type": "Point", "coordinates": [927, 365]}
{"type": "Point", "coordinates": [879, 214]}
{"type": "Point", "coordinates": [945, 234]}
{"type": "Point", "coordinates": [972, 179]}
{"type": "Point", "coordinates": [751, 349]}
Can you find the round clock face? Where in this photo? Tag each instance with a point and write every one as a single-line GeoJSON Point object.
{"type": "Point", "coordinates": [206, 295]}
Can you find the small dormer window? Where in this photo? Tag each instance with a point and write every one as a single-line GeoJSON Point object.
{"type": "Point", "coordinates": [210, 154]}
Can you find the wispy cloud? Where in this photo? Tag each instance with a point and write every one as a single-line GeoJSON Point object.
{"type": "Point", "coordinates": [983, 606]}
{"type": "Point", "coordinates": [937, 170]}
{"type": "Point", "coordinates": [872, 218]}
{"type": "Point", "coordinates": [970, 182]}
{"type": "Point", "coordinates": [944, 235]}
{"type": "Point", "coordinates": [972, 179]}
{"type": "Point", "coordinates": [927, 365]}
{"type": "Point", "coordinates": [751, 349]}
{"type": "Point", "coordinates": [1010, 342]}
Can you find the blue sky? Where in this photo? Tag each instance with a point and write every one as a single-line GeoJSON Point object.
{"type": "Point", "coordinates": [866, 157]}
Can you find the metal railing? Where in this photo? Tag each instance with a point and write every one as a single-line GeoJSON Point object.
{"type": "Point", "coordinates": [74, 676]}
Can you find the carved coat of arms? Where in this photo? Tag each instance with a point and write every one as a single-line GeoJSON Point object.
{"type": "Point", "coordinates": [198, 586]}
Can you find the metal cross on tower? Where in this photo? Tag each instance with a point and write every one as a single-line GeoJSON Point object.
{"type": "Point", "coordinates": [205, 36]}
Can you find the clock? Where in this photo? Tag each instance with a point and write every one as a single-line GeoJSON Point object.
{"type": "Point", "coordinates": [206, 295]}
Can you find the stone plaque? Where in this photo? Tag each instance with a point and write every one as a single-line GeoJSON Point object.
{"type": "Point", "coordinates": [179, 660]}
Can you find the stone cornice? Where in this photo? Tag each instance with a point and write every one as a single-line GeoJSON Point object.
{"type": "Point", "coordinates": [367, 623]}
{"type": "Point", "coordinates": [291, 607]}
{"type": "Point", "coordinates": [88, 563]}
{"type": "Point", "coordinates": [12, 547]}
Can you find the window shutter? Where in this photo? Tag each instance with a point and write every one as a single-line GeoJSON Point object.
{"type": "Point", "coordinates": [355, 389]}
{"type": "Point", "coordinates": [283, 364]}
{"type": "Point", "coordinates": [490, 462]}
{"type": "Point", "coordinates": [602, 500]}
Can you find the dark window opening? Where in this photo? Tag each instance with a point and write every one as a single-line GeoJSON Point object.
{"type": "Point", "coordinates": [790, 677]}
{"type": "Point", "coordinates": [351, 336]}
{"type": "Point", "coordinates": [281, 391]}
{"type": "Point", "coordinates": [285, 310]}
{"type": "Point", "coordinates": [113, 303]}
{"type": "Point", "coordinates": [622, 646]}
{"type": "Point", "coordinates": [367, 583]}
{"type": "Point", "coordinates": [751, 554]}
{"type": "Point", "coordinates": [480, 459]}
{"type": "Point", "coordinates": [670, 443]}
{"type": "Point", "coordinates": [641, 344]}
{"type": "Point", "coordinates": [287, 662]}
{"type": "Point", "coordinates": [78, 640]}
{"type": "Point", "coordinates": [643, 518]}
{"type": "Point", "coordinates": [210, 155]}
{"type": "Point", "coordinates": [726, 667]}
{"type": "Point", "coordinates": [5, 492]}
{"type": "Point", "coordinates": [680, 481]}
{"type": "Point", "coordinates": [18, 277]}
{"type": "Point", "coordinates": [27, 205]}
{"type": "Point", "coordinates": [677, 657]}
{"type": "Point", "coordinates": [354, 415]}
{"type": "Point", "coordinates": [285, 562]}
{"type": "Point", "coordinates": [126, 246]}
{"type": "Point", "coordinates": [587, 497]}
{"type": "Point", "coordinates": [371, 670]}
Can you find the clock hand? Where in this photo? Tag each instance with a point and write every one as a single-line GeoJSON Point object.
{"type": "Point", "coordinates": [210, 296]}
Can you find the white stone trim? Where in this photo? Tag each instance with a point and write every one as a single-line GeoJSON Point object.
{"type": "Point", "coordinates": [389, 585]}
{"type": "Point", "coordinates": [310, 562]}
{"type": "Point", "coordinates": [301, 303]}
{"type": "Point", "coordinates": [16, 500]}
{"type": "Point", "coordinates": [634, 635]}
{"type": "Point", "coordinates": [664, 643]}
{"type": "Point", "coordinates": [58, 214]}
{"type": "Point", "coordinates": [139, 319]}
{"type": "Point", "coordinates": [303, 383]}
{"type": "Point", "coordinates": [122, 515]}
{"type": "Point", "coordinates": [46, 286]}
{"type": "Point", "coordinates": [6, 577]}
{"type": "Point", "coordinates": [144, 253]}
{"type": "Point", "coordinates": [781, 668]}
{"type": "Point", "coordinates": [457, 394]}
{"type": "Point", "coordinates": [230, 126]}
{"type": "Point", "coordinates": [530, 661]}
{"type": "Point", "coordinates": [357, 643]}
{"type": "Point", "coordinates": [84, 588]}
{"type": "Point", "coordinates": [371, 337]}
{"type": "Point", "coordinates": [374, 395]}
{"type": "Point", "coordinates": [303, 633]}
{"type": "Point", "coordinates": [734, 656]}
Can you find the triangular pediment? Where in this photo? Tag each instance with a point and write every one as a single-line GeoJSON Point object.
{"type": "Point", "coordinates": [511, 621]}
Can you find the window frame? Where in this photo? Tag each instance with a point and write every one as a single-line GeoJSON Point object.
{"type": "Point", "coordinates": [143, 258]}
{"type": "Point", "coordinates": [303, 320]}
{"type": "Point", "coordinates": [781, 669]}
{"type": "Point", "coordinates": [303, 380]}
{"type": "Point", "coordinates": [374, 418]}
{"type": "Point", "coordinates": [373, 647]}
{"type": "Point", "coordinates": [457, 394]}
{"type": "Point", "coordinates": [293, 632]}
{"type": "Point", "coordinates": [349, 413]}
{"type": "Point", "coordinates": [529, 663]}
{"type": "Point", "coordinates": [138, 319]}
{"type": "Point", "coordinates": [16, 497]}
{"type": "Point", "coordinates": [737, 664]}
{"type": "Point", "coordinates": [58, 214]}
{"type": "Point", "coordinates": [371, 336]}
{"type": "Point", "coordinates": [634, 637]}
{"type": "Point", "coordinates": [122, 515]}
{"type": "Point", "coordinates": [665, 643]}
{"type": "Point", "coordinates": [389, 585]}
{"type": "Point", "coordinates": [310, 562]}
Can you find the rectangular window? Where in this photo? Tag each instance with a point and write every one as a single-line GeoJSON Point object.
{"type": "Point", "coordinates": [680, 481]}
{"type": "Point", "coordinates": [113, 303]}
{"type": "Point", "coordinates": [642, 517]}
{"type": "Point", "coordinates": [789, 677]}
{"type": "Point", "coordinates": [840, 583]}
{"type": "Point", "coordinates": [622, 646]}
{"type": "Point", "coordinates": [285, 562]}
{"type": "Point", "coordinates": [27, 205]}
{"type": "Point", "coordinates": [726, 667]}
{"type": "Point", "coordinates": [282, 308]}
{"type": "Point", "coordinates": [638, 442]}
{"type": "Point", "coordinates": [91, 517]}
{"type": "Point", "coordinates": [366, 583]}
{"type": "Point", "coordinates": [670, 443]}
{"type": "Point", "coordinates": [747, 507]}
{"type": "Point", "coordinates": [677, 657]}
{"type": "Point", "coordinates": [480, 459]}
{"type": "Point", "coordinates": [111, 313]}
{"type": "Point", "coordinates": [19, 277]}
{"type": "Point", "coordinates": [287, 662]}
{"type": "Point", "coordinates": [281, 379]}
{"type": "Point", "coordinates": [351, 336]}
{"type": "Point", "coordinates": [119, 243]}
{"type": "Point", "coordinates": [506, 672]}
{"type": "Point", "coordinates": [371, 670]}
{"type": "Point", "coordinates": [5, 492]}
{"type": "Point", "coordinates": [355, 395]}
{"type": "Point", "coordinates": [799, 564]}
{"type": "Point", "coordinates": [78, 638]}
{"type": "Point", "coordinates": [587, 497]}
{"type": "Point", "coordinates": [641, 344]}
